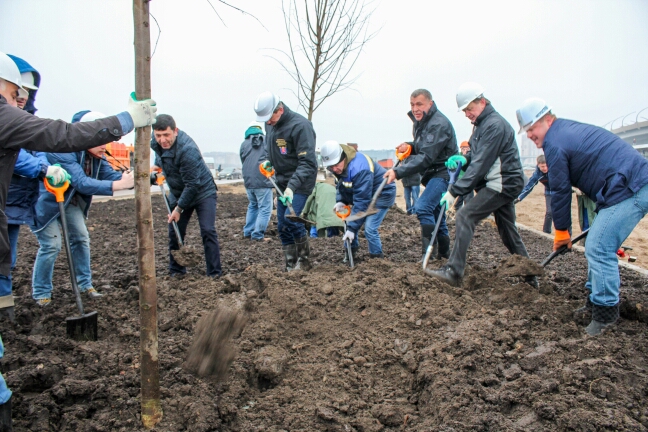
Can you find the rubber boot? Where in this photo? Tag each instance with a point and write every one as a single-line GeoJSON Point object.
{"type": "Point", "coordinates": [5, 417]}
{"type": "Point", "coordinates": [444, 246]}
{"type": "Point", "coordinates": [426, 234]}
{"type": "Point", "coordinates": [378, 255]}
{"type": "Point", "coordinates": [303, 254]}
{"type": "Point", "coordinates": [602, 317]}
{"type": "Point", "coordinates": [447, 275]}
{"type": "Point", "coordinates": [532, 280]}
{"type": "Point", "coordinates": [9, 313]}
{"type": "Point", "coordinates": [354, 253]}
{"type": "Point", "coordinates": [290, 253]}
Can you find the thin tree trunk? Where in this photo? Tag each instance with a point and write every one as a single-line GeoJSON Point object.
{"type": "Point", "coordinates": [149, 370]}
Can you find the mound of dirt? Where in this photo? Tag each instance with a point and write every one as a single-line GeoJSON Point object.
{"type": "Point", "coordinates": [377, 348]}
{"type": "Point", "coordinates": [188, 256]}
{"type": "Point", "coordinates": [516, 265]}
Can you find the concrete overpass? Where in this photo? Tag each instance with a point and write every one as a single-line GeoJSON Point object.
{"type": "Point", "coordinates": [636, 135]}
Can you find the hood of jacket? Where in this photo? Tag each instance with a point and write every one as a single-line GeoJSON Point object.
{"type": "Point", "coordinates": [23, 67]}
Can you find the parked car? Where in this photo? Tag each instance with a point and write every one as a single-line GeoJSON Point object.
{"type": "Point", "coordinates": [234, 174]}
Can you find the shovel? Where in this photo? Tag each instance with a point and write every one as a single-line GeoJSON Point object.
{"type": "Point", "coordinates": [454, 175]}
{"type": "Point", "coordinates": [372, 205]}
{"type": "Point", "coordinates": [292, 216]}
{"type": "Point", "coordinates": [344, 216]}
{"type": "Point", "coordinates": [83, 327]}
{"type": "Point", "coordinates": [563, 249]}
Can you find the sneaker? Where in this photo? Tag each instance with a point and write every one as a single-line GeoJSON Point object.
{"type": "Point", "coordinates": [93, 293]}
{"type": "Point", "coordinates": [43, 302]}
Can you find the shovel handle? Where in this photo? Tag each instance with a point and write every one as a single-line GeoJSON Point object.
{"type": "Point", "coordinates": [428, 251]}
{"type": "Point", "coordinates": [405, 154]}
{"type": "Point", "coordinates": [58, 191]}
{"type": "Point", "coordinates": [344, 214]}
{"type": "Point", "coordinates": [265, 172]}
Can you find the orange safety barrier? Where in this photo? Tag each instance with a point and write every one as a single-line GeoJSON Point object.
{"type": "Point", "coordinates": [121, 152]}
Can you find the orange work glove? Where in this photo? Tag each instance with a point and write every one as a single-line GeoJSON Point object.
{"type": "Point", "coordinates": [562, 238]}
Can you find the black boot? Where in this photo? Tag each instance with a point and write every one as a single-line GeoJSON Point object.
{"type": "Point", "coordinates": [303, 254]}
{"type": "Point", "coordinates": [532, 280]}
{"type": "Point", "coordinates": [378, 255]}
{"type": "Point", "coordinates": [9, 313]}
{"type": "Point", "coordinates": [426, 235]}
{"type": "Point", "coordinates": [602, 317]}
{"type": "Point", "coordinates": [354, 253]}
{"type": "Point", "coordinates": [5, 417]}
{"type": "Point", "coordinates": [447, 275]}
{"type": "Point", "coordinates": [444, 246]}
{"type": "Point", "coordinates": [290, 253]}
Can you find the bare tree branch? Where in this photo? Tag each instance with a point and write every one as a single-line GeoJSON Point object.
{"type": "Point", "coordinates": [235, 8]}
{"type": "Point", "coordinates": [325, 39]}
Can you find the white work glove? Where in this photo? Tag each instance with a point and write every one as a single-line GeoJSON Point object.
{"type": "Point", "coordinates": [447, 200]}
{"type": "Point", "coordinates": [142, 112]}
{"type": "Point", "coordinates": [287, 197]}
{"type": "Point", "coordinates": [56, 175]}
{"type": "Point", "coordinates": [339, 207]}
{"type": "Point", "coordinates": [348, 236]}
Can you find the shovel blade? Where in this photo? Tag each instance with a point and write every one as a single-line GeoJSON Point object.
{"type": "Point", "coordinates": [83, 328]}
{"type": "Point", "coordinates": [361, 215]}
{"type": "Point", "coordinates": [299, 219]}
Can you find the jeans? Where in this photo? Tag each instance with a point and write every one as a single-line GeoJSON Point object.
{"type": "Point", "coordinates": [411, 196]}
{"type": "Point", "coordinates": [49, 239]}
{"type": "Point", "coordinates": [206, 211]}
{"type": "Point", "coordinates": [371, 225]}
{"type": "Point", "coordinates": [258, 212]}
{"type": "Point", "coordinates": [548, 219]}
{"type": "Point", "coordinates": [483, 204]}
{"type": "Point", "coordinates": [5, 281]}
{"type": "Point", "coordinates": [427, 207]}
{"type": "Point", "coordinates": [606, 235]}
{"type": "Point", "coordinates": [5, 393]}
{"type": "Point", "coordinates": [289, 231]}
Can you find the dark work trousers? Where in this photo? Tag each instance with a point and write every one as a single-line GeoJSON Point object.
{"type": "Point", "coordinates": [483, 204]}
{"type": "Point", "coordinates": [290, 231]}
{"type": "Point", "coordinates": [548, 215]}
{"type": "Point", "coordinates": [206, 210]}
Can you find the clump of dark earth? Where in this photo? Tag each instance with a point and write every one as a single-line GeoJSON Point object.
{"type": "Point", "coordinates": [188, 256]}
{"type": "Point", "coordinates": [517, 265]}
{"type": "Point", "coordinates": [211, 353]}
{"type": "Point", "coordinates": [381, 347]}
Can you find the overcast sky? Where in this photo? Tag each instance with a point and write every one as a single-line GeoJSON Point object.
{"type": "Point", "coordinates": [588, 59]}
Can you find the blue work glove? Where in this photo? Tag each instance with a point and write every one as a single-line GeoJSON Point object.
{"type": "Point", "coordinates": [451, 163]}
{"type": "Point", "coordinates": [287, 197]}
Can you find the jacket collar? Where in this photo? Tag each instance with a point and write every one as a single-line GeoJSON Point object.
{"type": "Point", "coordinates": [426, 117]}
{"type": "Point", "coordinates": [286, 116]}
{"type": "Point", "coordinates": [488, 110]}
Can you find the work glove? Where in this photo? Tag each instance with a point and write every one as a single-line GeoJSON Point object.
{"type": "Point", "coordinates": [339, 207]}
{"type": "Point", "coordinates": [562, 238]}
{"type": "Point", "coordinates": [142, 112]}
{"type": "Point", "coordinates": [451, 163]}
{"type": "Point", "coordinates": [57, 175]}
{"type": "Point", "coordinates": [287, 197]}
{"type": "Point", "coordinates": [516, 200]}
{"type": "Point", "coordinates": [266, 166]}
{"type": "Point", "coordinates": [447, 200]}
{"type": "Point", "coordinates": [348, 236]}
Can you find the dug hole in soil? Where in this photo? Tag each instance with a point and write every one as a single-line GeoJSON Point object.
{"type": "Point", "coordinates": [379, 347]}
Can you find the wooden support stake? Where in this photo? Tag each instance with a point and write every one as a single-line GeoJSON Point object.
{"type": "Point", "coordinates": [149, 369]}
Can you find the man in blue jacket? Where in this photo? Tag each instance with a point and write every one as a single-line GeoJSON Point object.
{"type": "Point", "coordinates": [358, 180]}
{"type": "Point", "coordinates": [192, 189]}
{"type": "Point", "coordinates": [90, 174]}
{"type": "Point", "coordinates": [540, 175]}
{"type": "Point", "coordinates": [610, 172]}
{"type": "Point", "coordinates": [258, 188]}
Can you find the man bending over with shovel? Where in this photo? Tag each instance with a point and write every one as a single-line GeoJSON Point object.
{"type": "Point", "coordinates": [90, 174]}
{"type": "Point", "coordinates": [291, 151]}
{"type": "Point", "coordinates": [192, 189]}
{"type": "Point", "coordinates": [358, 180]}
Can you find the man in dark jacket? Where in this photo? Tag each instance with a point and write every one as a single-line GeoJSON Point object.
{"type": "Point", "coordinates": [358, 180]}
{"type": "Point", "coordinates": [411, 190]}
{"type": "Point", "coordinates": [192, 188]}
{"type": "Point", "coordinates": [257, 186]}
{"type": "Point", "coordinates": [291, 151]}
{"type": "Point", "coordinates": [494, 170]}
{"type": "Point", "coordinates": [90, 174]}
{"type": "Point", "coordinates": [434, 142]}
{"type": "Point", "coordinates": [609, 171]}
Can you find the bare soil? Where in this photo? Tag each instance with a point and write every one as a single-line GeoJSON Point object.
{"type": "Point", "coordinates": [381, 347]}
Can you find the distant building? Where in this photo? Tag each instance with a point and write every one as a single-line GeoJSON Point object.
{"type": "Point", "coordinates": [636, 135]}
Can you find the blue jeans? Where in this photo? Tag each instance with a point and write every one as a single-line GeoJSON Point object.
{"type": "Point", "coordinates": [606, 235]}
{"type": "Point", "coordinates": [5, 393]}
{"type": "Point", "coordinates": [427, 207]}
{"type": "Point", "coordinates": [411, 196]}
{"type": "Point", "coordinates": [289, 231]}
{"type": "Point", "coordinates": [49, 239]}
{"type": "Point", "coordinates": [258, 212]}
{"type": "Point", "coordinates": [5, 281]}
{"type": "Point", "coordinates": [206, 210]}
{"type": "Point", "coordinates": [371, 225]}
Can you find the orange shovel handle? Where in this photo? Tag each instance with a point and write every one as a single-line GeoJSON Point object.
{"type": "Point", "coordinates": [345, 214]}
{"type": "Point", "coordinates": [265, 172]}
{"type": "Point", "coordinates": [405, 154]}
{"type": "Point", "coordinates": [57, 191]}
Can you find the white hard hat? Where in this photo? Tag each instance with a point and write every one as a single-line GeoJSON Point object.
{"type": "Point", "coordinates": [330, 153]}
{"type": "Point", "coordinates": [92, 116]}
{"type": "Point", "coordinates": [28, 81]}
{"type": "Point", "coordinates": [265, 105]}
{"type": "Point", "coordinates": [467, 93]}
{"type": "Point", "coordinates": [532, 110]}
{"type": "Point", "coordinates": [10, 73]}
